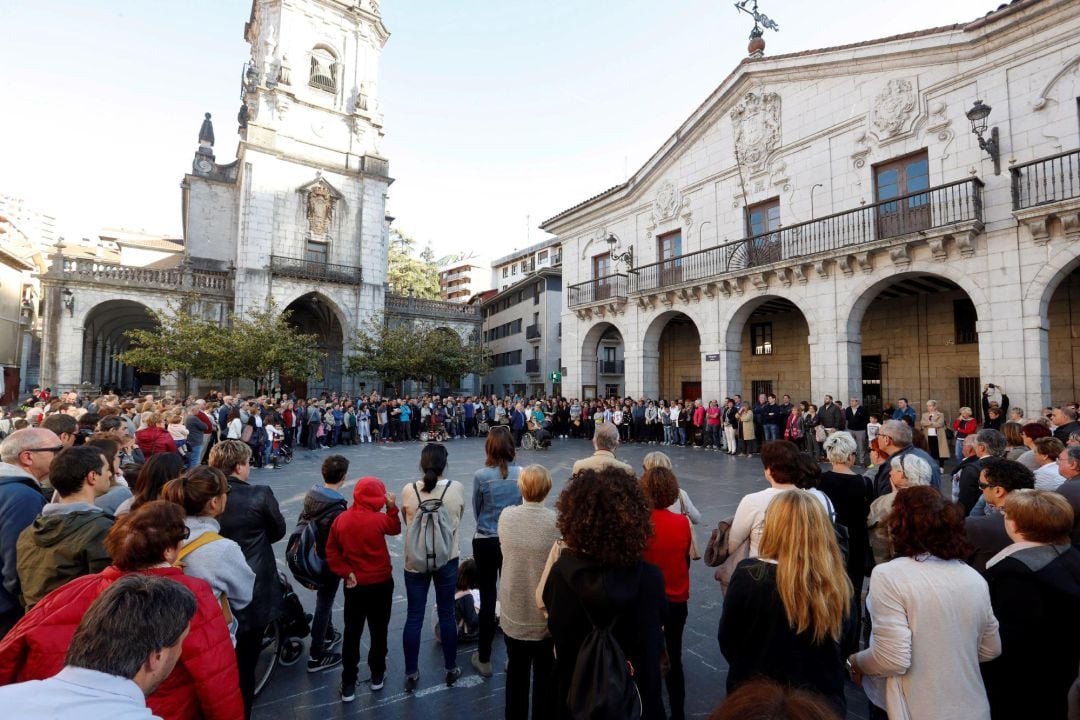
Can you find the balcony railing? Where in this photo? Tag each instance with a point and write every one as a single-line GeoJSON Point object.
{"type": "Point", "coordinates": [532, 332]}
{"type": "Point", "coordinates": [1046, 180]}
{"type": "Point", "coordinates": [421, 308]}
{"type": "Point", "coordinates": [315, 270]}
{"type": "Point", "coordinates": [610, 367]}
{"type": "Point", "coordinates": [931, 208]}
{"type": "Point", "coordinates": [532, 367]}
{"type": "Point", "coordinates": [602, 289]}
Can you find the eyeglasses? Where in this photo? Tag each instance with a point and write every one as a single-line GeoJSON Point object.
{"type": "Point", "coordinates": [984, 485]}
{"type": "Point", "coordinates": [56, 449]}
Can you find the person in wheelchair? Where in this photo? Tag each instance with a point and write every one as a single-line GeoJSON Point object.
{"type": "Point", "coordinates": [540, 432]}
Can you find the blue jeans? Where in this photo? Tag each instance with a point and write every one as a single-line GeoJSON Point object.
{"type": "Point", "coordinates": [772, 432]}
{"type": "Point", "coordinates": [416, 591]}
{"type": "Point", "coordinates": [194, 455]}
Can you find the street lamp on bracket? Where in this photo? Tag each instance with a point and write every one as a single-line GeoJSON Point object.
{"type": "Point", "coordinates": [627, 256]}
{"type": "Point", "coordinates": [977, 115]}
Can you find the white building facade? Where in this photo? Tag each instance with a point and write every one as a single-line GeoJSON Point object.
{"type": "Point", "coordinates": [510, 269]}
{"type": "Point", "coordinates": [826, 222]}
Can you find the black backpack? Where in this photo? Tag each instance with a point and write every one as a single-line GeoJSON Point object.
{"type": "Point", "coordinates": [301, 553]}
{"type": "Point", "coordinates": [602, 686]}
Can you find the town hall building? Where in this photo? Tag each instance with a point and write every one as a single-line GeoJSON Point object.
{"type": "Point", "coordinates": [892, 218]}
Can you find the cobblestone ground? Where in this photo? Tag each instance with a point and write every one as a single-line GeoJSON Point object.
{"type": "Point", "coordinates": [714, 481]}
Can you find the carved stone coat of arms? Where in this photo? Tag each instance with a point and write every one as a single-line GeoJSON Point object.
{"type": "Point", "coordinates": [756, 120]}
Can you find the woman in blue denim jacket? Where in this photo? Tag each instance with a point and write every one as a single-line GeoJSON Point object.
{"type": "Point", "coordinates": [495, 488]}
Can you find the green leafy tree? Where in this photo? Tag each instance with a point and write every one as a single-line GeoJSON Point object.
{"type": "Point", "coordinates": [408, 274]}
{"type": "Point", "coordinates": [182, 343]}
{"type": "Point", "coordinates": [263, 346]}
{"type": "Point", "coordinates": [411, 351]}
{"type": "Point", "coordinates": [446, 357]}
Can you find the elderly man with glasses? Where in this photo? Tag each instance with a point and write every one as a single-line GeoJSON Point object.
{"type": "Point", "coordinates": [1069, 467]}
{"type": "Point", "coordinates": [25, 456]}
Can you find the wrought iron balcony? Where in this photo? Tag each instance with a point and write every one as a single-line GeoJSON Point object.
{"type": "Point", "coordinates": [532, 367]}
{"type": "Point", "coordinates": [610, 367]}
{"type": "Point", "coordinates": [919, 212]}
{"type": "Point", "coordinates": [609, 288]}
{"type": "Point", "coordinates": [1046, 180]}
{"type": "Point", "coordinates": [315, 270]}
{"type": "Point", "coordinates": [532, 332]}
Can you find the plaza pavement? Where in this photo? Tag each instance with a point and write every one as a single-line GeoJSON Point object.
{"type": "Point", "coordinates": [714, 481]}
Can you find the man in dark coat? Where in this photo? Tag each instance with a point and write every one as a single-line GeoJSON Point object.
{"type": "Point", "coordinates": [252, 519]}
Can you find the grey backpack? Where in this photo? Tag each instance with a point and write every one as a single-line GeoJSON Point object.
{"type": "Point", "coordinates": [430, 535]}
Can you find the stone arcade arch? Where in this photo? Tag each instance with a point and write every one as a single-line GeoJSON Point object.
{"type": "Point", "coordinates": [767, 343]}
{"type": "Point", "coordinates": [915, 335]}
{"type": "Point", "coordinates": [104, 338]}
{"type": "Point", "coordinates": [603, 364]}
{"type": "Point", "coordinates": [672, 357]}
{"type": "Point", "coordinates": [316, 314]}
{"type": "Point", "coordinates": [1058, 313]}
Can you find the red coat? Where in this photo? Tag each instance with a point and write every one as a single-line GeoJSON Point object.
{"type": "Point", "coordinates": [204, 683]}
{"type": "Point", "coordinates": [357, 541]}
{"type": "Point", "coordinates": [152, 440]}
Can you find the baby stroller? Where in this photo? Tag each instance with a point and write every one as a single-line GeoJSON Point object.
{"type": "Point", "coordinates": [281, 455]}
{"type": "Point", "coordinates": [283, 639]}
{"type": "Point", "coordinates": [435, 433]}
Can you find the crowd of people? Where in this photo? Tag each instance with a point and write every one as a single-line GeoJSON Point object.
{"type": "Point", "coordinates": [945, 588]}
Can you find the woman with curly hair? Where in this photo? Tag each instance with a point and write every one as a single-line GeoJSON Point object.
{"type": "Point", "coordinates": [785, 610]}
{"type": "Point", "coordinates": [931, 617]}
{"type": "Point", "coordinates": [600, 579]}
{"type": "Point", "coordinates": [669, 550]}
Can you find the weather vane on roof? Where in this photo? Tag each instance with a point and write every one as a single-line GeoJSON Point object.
{"type": "Point", "coordinates": [757, 43]}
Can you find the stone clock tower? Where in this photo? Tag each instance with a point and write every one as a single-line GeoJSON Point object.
{"type": "Point", "coordinates": [300, 216]}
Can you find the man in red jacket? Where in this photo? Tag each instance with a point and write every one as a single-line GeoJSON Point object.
{"type": "Point", "coordinates": [356, 550]}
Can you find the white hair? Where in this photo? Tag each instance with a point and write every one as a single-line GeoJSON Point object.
{"type": "Point", "coordinates": [839, 447]}
{"type": "Point", "coordinates": [914, 469]}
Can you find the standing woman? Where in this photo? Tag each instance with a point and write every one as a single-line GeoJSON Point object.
{"type": "Point", "coordinates": [749, 440]}
{"type": "Point", "coordinates": [234, 424]}
{"type": "Point", "coordinates": [669, 549]}
{"type": "Point", "coordinates": [784, 611]}
{"type": "Point", "coordinates": [932, 424]}
{"type": "Point", "coordinates": [495, 488]}
{"type": "Point", "coordinates": [601, 580]}
{"type": "Point", "coordinates": [731, 422]}
{"type": "Point", "coordinates": [452, 494]}
{"type": "Point", "coordinates": [931, 617]}
{"type": "Point", "coordinates": [526, 534]}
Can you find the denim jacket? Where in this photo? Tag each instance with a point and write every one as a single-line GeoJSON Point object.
{"type": "Point", "coordinates": [491, 495]}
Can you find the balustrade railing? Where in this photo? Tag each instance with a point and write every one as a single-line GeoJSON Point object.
{"type": "Point", "coordinates": [178, 278]}
{"type": "Point", "coordinates": [1046, 180]}
{"type": "Point", "coordinates": [608, 287]}
{"type": "Point", "coordinates": [931, 208]}
{"type": "Point", "coordinates": [315, 270]}
{"type": "Point", "coordinates": [532, 332]}
{"type": "Point", "coordinates": [532, 367]}
{"type": "Point", "coordinates": [419, 307]}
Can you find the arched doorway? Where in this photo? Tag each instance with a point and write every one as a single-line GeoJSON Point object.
{"type": "Point", "coordinates": [1063, 317]}
{"type": "Point", "coordinates": [678, 356]}
{"type": "Point", "coordinates": [314, 314]}
{"type": "Point", "coordinates": [603, 362]}
{"type": "Point", "coordinates": [919, 342]}
{"type": "Point", "coordinates": [774, 354]}
{"type": "Point", "coordinates": [104, 337]}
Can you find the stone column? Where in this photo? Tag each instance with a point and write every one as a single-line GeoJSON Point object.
{"type": "Point", "coordinates": [1036, 383]}
{"type": "Point", "coordinates": [642, 369]}
{"type": "Point", "coordinates": [711, 380]}
{"type": "Point", "coordinates": [729, 370]}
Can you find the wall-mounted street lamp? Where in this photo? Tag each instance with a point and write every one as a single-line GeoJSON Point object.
{"type": "Point", "coordinates": [69, 301]}
{"type": "Point", "coordinates": [626, 256]}
{"type": "Point", "coordinates": [977, 115]}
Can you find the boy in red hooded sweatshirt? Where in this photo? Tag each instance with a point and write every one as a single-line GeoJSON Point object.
{"type": "Point", "coordinates": [356, 551]}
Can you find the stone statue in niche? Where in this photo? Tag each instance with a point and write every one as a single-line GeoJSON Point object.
{"type": "Point", "coordinates": [320, 209]}
{"type": "Point", "coordinates": [892, 107]}
{"type": "Point", "coordinates": [757, 128]}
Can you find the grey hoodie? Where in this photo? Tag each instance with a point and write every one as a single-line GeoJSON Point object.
{"type": "Point", "coordinates": [220, 563]}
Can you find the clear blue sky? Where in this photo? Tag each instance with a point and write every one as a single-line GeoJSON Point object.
{"type": "Point", "coordinates": [495, 109]}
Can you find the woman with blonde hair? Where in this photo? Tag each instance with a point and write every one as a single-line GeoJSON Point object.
{"type": "Point", "coordinates": [785, 610]}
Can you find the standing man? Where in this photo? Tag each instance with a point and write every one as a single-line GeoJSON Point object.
{"type": "Point", "coordinates": [222, 417]}
{"type": "Point", "coordinates": [605, 441]}
{"type": "Point", "coordinates": [199, 427]}
{"type": "Point", "coordinates": [986, 533]}
{"type": "Point", "coordinates": [832, 418]}
{"type": "Point", "coordinates": [1069, 467]}
{"type": "Point", "coordinates": [988, 443]}
{"type": "Point", "coordinates": [904, 410]}
{"type": "Point", "coordinates": [252, 519]}
{"type": "Point", "coordinates": [314, 418]}
{"type": "Point", "coordinates": [894, 439]}
{"type": "Point", "coordinates": [517, 423]}
{"type": "Point", "coordinates": [67, 540]}
{"type": "Point", "coordinates": [25, 456]}
{"type": "Point", "coordinates": [856, 418]}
